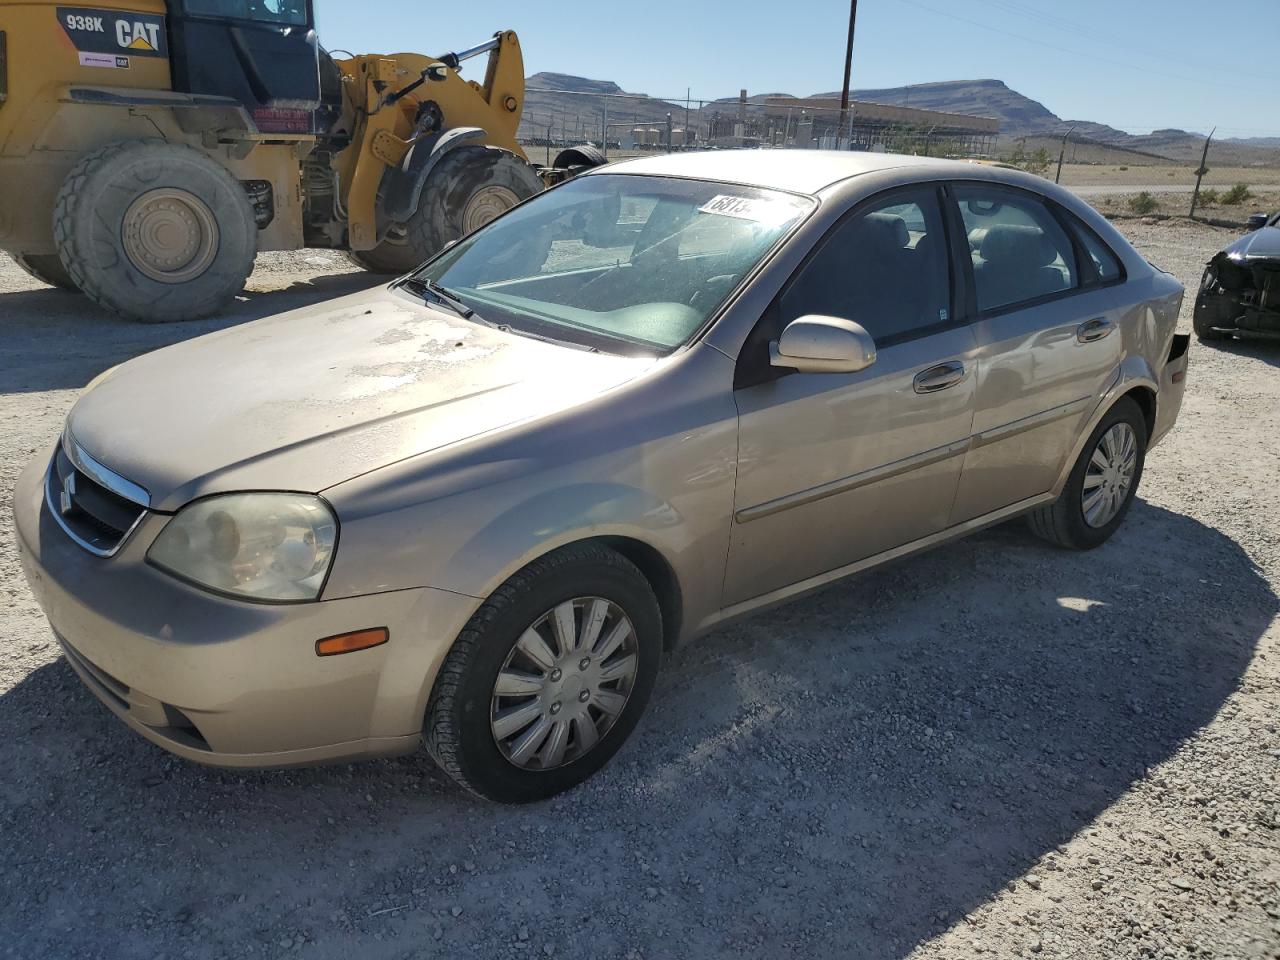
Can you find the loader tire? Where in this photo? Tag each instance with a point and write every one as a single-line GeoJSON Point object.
{"type": "Point", "coordinates": [469, 187]}
{"type": "Point", "coordinates": [47, 268]}
{"type": "Point", "coordinates": [155, 231]}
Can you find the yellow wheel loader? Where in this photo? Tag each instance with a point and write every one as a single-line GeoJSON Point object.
{"type": "Point", "coordinates": [150, 149]}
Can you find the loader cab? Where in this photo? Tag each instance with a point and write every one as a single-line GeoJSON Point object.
{"type": "Point", "coordinates": [262, 53]}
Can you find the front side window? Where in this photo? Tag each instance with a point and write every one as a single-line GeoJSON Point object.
{"type": "Point", "coordinates": [292, 12]}
{"type": "Point", "coordinates": [617, 262]}
{"type": "Point", "coordinates": [1019, 251]}
{"type": "Point", "coordinates": [886, 268]}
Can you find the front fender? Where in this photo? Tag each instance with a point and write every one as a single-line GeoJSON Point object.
{"type": "Point", "coordinates": [556, 518]}
{"type": "Point", "coordinates": [403, 184]}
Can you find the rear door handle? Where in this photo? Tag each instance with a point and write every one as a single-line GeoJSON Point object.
{"type": "Point", "coordinates": [939, 377]}
{"type": "Point", "coordinates": [1094, 329]}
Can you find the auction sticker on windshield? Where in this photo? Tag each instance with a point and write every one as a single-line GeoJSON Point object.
{"type": "Point", "coordinates": [756, 209]}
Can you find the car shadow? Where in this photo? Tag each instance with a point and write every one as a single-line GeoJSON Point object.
{"type": "Point", "coordinates": [847, 776]}
{"type": "Point", "coordinates": [1265, 349]}
{"type": "Point", "coordinates": [52, 339]}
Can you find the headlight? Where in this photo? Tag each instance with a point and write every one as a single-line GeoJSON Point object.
{"type": "Point", "coordinates": [260, 546]}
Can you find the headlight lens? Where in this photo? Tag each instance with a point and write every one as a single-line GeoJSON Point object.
{"type": "Point", "coordinates": [261, 546]}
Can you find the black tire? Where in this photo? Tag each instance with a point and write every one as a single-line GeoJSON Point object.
{"type": "Point", "coordinates": [1063, 522]}
{"type": "Point", "coordinates": [464, 177]}
{"type": "Point", "coordinates": [47, 268]}
{"type": "Point", "coordinates": [585, 156]}
{"type": "Point", "coordinates": [152, 186]}
{"type": "Point", "coordinates": [457, 727]}
{"type": "Point", "coordinates": [1204, 331]}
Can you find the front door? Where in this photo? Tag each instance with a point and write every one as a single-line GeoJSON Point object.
{"type": "Point", "coordinates": [834, 468]}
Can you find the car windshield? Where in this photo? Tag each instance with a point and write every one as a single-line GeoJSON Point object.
{"type": "Point", "coordinates": [621, 263]}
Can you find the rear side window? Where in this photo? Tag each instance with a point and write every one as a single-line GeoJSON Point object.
{"type": "Point", "coordinates": [885, 268]}
{"type": "Point", "coordinates": [1019, 250]}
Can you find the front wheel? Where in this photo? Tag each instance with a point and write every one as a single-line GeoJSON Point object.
{"type": "Point", "coordinates": [1204, 331]}
{"type": "Point", "coordinates": [1102, 484]}
{"type": "Point", "coordinates": [470, 186]}
{"type": "Point", "coordinates": [549, 678]}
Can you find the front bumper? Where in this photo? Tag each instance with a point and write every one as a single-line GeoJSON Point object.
{"type": "Point", "coordinates": [222, 681]}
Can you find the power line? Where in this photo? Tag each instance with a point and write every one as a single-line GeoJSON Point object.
{"type": "Point", "coordinates": [1061, 23]}
{"type": "Point", "coordinates": [1075, 53]}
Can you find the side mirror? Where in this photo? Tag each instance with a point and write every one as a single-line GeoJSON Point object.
{"type": "Point", "coordinates": [1256, 221]}
{"type": "Point", "coordinates": [817, 344]}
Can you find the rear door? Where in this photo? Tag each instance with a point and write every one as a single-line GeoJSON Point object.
{"type": "Point", "coordinates": [834, 467]}
{"type": "Point", "coordinates": [1047, 329]}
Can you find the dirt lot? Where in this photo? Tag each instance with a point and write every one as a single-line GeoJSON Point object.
{"type": "Point", "coordinates": [1141, 174]}
{"type": "Point", "coordinates": [997, 748]}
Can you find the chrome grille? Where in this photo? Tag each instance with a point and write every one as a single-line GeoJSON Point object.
{"type": "Point", "coordinates": [95, 507]}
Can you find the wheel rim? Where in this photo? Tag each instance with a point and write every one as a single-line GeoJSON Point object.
{"type": "Point", "coordinates": [170, 235]}
{"type": "Point", "coordinates": [564, 684]}
{"type": "Point", "coordinates": [485, 204]}
{"type": "Point", "coordinates": [1109, 476]}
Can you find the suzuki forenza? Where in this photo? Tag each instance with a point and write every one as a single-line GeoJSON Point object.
{"type": "Point", "coordinates": [477, 505]}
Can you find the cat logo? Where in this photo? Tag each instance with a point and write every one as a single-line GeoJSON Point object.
{"type": "Point", "coordinates": [138, 35]}
{"type": "Point", "coordinates": [98, 33]}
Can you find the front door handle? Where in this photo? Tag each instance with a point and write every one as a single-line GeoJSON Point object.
{"type": "Point", "coordinates": [1094, 329]}
{"type": "Point", "coordinates": [939, 377]}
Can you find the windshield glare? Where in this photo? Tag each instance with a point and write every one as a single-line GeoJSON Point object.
{"type": "Point", "coordinates": [623, 263]}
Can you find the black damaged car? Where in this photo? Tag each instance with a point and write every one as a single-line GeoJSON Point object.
{"type": "Point", "coordinates": [1240, 292]}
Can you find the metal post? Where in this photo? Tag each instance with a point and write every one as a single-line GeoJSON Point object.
{"type": "Point", "coordinates": [604, 132]}
{"type": "Point", "coordinates": [1057, 177]}
{"type": "Point", "coordinates": [688, 91]}
{"type": "Point", "coordinates": [1200, 172]}
{"type": "Point", "coordinates": [848, 69]}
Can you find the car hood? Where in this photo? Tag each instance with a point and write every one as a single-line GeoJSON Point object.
{"type": "Point", "coordinates": [308, 399]}
{"type": "Point", "coordinates": [1263, 244]}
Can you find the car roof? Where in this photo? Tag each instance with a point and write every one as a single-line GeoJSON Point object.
{"type": "Point", "coordinates": [800, 171]}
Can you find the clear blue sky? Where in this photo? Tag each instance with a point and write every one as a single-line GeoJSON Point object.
{"type": "Point", "coordinates": [1135, 64]}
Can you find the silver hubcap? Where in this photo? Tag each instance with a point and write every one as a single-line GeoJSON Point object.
{"type": "Point", "coordinates": [485, 204]}
{"type": "Point", "coordinates": [1109, 476]}
{"type": "Point", "coordinates": [170, 235]}
{"type": "Point", "coordinates": [564, 684]}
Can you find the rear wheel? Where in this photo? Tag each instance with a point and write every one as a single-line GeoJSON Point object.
{"type": "Point", "coordinates": [469, 187]}
{"type": "Point", "coordinates": [47, 268]}
{"type": "Point", "coordinates": [155, 231]}
{"type": "Point", "coordinates": [549, 678]}
{"type": "Point", "coordinates": [1102, 484]}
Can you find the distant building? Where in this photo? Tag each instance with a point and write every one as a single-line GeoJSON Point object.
{"type": "Point", "coordinates": [878, 125]}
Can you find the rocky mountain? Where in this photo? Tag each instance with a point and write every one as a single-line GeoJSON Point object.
{"type": "Point", "coordinates": [574, 107]}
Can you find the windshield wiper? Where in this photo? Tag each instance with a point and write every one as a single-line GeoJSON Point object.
{"type": "Point", "coordinates": [429, 289]}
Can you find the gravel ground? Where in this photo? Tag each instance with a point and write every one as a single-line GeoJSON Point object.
{"type": "Point", "coordinates": [995, 748]}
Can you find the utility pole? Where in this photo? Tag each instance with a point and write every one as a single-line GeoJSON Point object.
{"type": "Point", "coordinates": [1200, 172]}
{"type": "Point", "coordinates": [848, 70]}
{"type": "Point", "coordinates": [1057, 177]}
{"type": "Point", "coordinates": [688, 92]}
